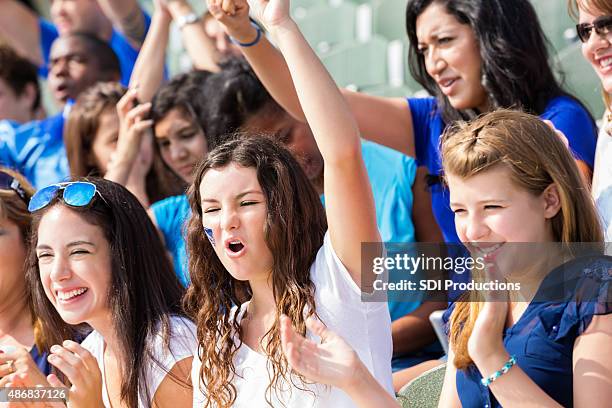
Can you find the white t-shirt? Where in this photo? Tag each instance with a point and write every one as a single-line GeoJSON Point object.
{"type": "Point", "coordinates": [365, 326]}
{"type": "Point", "coordinates": [602, 178]}
{"type": "Point", "coordinates": [183, 343]}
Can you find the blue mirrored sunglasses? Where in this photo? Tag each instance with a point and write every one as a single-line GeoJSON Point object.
{"type": "Point", "coordinates": [75, 194]}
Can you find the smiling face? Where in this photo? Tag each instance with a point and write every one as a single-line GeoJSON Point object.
{"type": "Point", "coordinates": [181, 143]}
{"type": "Point", "coordinates": [491, 210]}
{"type": "Point", "coordinates": [75, 266]}
{"type": "Point", "coordinates": [452, 57]}
{"type": "Point", "coordinates": [598, 50]}
{"type": "Point", "coordinates": [234, 210]}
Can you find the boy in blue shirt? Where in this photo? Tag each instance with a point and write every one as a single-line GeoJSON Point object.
{"type": "Point", "coordinates": [36, 149]}
{"type": "Point", "coordinates": [121, 23]}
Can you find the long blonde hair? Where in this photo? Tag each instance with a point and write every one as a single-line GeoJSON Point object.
{"type": "Point", "coordinates": [536, 158]}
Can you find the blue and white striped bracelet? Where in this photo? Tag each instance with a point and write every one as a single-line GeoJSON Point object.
{"type": "Point", "coordinates": [488, 380]}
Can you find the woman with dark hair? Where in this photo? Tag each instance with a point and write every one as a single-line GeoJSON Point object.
{"type": "Point", "coordinates": [595, 17]}
{"type": "Point", "coordinates": [94, 141]}
{"type": "Point", "coordinates": [258, 247]}
{"type": "Point", "coordinates": [96, 258]}
{"type": "Point", "coordinates": [473, 55]}
{"type": "Point", "coordinates": [183, 136]}
{"type": "Point", "coordinates": [20, 329]}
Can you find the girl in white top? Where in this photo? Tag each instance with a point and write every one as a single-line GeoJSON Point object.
{"type": "Point", "coordinates": [96, 258]}
{"type": "Point", "coordinates": [258, 239]}
{"type": "Point", "coordinates": [597, 49]}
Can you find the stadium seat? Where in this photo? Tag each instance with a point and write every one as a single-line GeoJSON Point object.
{"type": "Point", "coordinates": [579, 78]}
{"type": "Point", "coordinates": [327, 24]}
{"type": "Point", "coordinates": [390, 18]}
{"type": "Point", "coordinates": [424, 391]}
{"type": "Point", "coordinates": [358, 64]}
{"type": "Point", "coordinates": [556, 22]}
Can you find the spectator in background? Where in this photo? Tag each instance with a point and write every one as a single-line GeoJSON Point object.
{"type": "Point", "coordinates": [121, 23]}
{"type": "Point", "coordinates": [472, 55]}
{"type": "Point", "coordinates": [19, 89]}
{"type": "Point", "coordinates": [595, 32]}
{"type": "Point", "coordinates": [36, 148]}
{"type": "Point", "coordinates": [93, 141]}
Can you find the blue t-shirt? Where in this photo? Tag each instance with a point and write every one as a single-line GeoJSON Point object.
{"type": "Point", "coordinates": [542, 340]}
{"type": "Point", "coordinates": [35, 149]}
{"type": "Point", "coordinates": [565, 113]}
{"type": "Point", "coordinates": [126, 53]}
{"type": "Point", "coordinates": [171, 215]}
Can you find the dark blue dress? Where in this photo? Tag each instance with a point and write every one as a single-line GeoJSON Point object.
{"type": "Point", "coordinates": [543, 338]}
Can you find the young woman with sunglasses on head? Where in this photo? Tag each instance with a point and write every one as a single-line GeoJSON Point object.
{"type": "Point", "coordinates": [20, 330]}
{"type": "Point", "coordinates": [472, 55]}
{"type": "Point", "coordinates": [595, 32]}
{"type": "Point", "coordinates": [96, 258]}
{"type": "Point", "coordinates": [258, 247]}
{"type": "Point", "coordinates": [511, 181]}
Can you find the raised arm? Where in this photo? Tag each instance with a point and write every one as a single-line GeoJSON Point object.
{"type": "Point", "coordinates": [199, 46]}
{"type": "Point", "coordinates": [148, 72]}
{"type": "Point", "coordinates": [348, 195]}
{"type": "Point", "coordinates": [127, 17]}
{"type": "Point", "coordinates": [19, 28]}
{"type": "Point", "coordinates": [393, 130]}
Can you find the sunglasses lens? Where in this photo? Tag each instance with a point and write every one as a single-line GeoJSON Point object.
{"type": "Point", "coordinates": [79, 194]}
{"type": "Point", "coordinates": [584, 32]}
{"type": "Point", "coordinates": [42, 198]}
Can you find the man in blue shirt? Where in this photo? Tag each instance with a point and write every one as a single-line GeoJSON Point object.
{"type": "Point", "coordinates": [121, 23]}
{"type": "Point", "coordinates": [36, 149]}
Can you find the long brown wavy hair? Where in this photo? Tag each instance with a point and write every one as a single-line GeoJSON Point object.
{"type": "Point", "coordinates": [536, 158]}
{"type": "Point", "coordinates": [294, 232]}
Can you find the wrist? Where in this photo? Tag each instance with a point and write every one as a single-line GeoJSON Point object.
{"type": "Point", "coordinates": [359, 380]}
{"type": "Point", "coordinates": [281, 27]}
{"type": "Point", "coordinates": [488, 363]}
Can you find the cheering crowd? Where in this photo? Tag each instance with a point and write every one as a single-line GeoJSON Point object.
{"type": "Point", "coordinates": [196, 240]}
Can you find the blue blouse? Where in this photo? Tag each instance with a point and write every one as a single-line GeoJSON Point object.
{"type": "Point", "coordinates": [542, 340]}
{"type": "Point", "coordinates": [566, 114]}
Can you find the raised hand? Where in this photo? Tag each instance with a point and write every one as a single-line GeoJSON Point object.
{"type": "Point", "coordinates": [82, 369]}
{"type": "Point", "coordinates": [132, 129]}
{"type": "Point", "coordinates": [331, 362]}
{"type": "Point", "coordinates": [272, 13]}
{"type": "Point", "coordinates": [486, 339]}
{"type": "Point", "coordinates": [233, 15]}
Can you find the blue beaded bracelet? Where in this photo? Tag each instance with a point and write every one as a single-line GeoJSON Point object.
{"type": "Point", "coordinates": [252, 43]}
{"type": "Point", "coordinates": [488, 380]}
